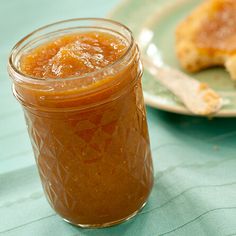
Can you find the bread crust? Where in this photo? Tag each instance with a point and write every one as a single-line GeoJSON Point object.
{"type": "Point", "coordinates": [192, 55]}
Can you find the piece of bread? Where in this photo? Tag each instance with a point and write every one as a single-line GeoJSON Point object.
{"type": "Point", "coordinates": [207, 37]}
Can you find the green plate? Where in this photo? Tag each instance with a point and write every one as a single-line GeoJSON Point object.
{"type": "Point", "coordinates": [158, 20]}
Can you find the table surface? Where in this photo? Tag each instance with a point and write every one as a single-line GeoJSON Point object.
{"type": "Point", "coordinates": [194, 158]}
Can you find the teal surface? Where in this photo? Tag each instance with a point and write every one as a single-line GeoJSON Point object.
{"type": "Point", "coordinates": [194, 158]}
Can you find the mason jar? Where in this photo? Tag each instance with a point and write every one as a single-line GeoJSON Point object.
{"type": "Point", "coordinates": [89, 133]}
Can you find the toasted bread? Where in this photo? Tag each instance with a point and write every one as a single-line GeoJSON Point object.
{"type": "Point", "coordinates": [207, 37]}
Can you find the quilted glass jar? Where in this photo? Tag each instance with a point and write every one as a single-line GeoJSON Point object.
{"type": "Point", "coordinates": [90, 143]}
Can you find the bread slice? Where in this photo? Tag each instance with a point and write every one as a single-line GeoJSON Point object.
{"type": "Point", "coordinates": [207, 37]}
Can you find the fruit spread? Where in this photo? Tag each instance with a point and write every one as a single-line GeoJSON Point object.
{"type": "Point", "coordinates": [84, 109]}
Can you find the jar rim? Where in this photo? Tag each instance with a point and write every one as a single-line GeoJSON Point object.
{"type": "Point", "coordinates": [16, 72]}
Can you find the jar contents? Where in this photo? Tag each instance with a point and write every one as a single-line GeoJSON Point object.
{"type": "Point", "coordinates": [90, 141]}
{"type": "Point", "coordinates": [73, 55]}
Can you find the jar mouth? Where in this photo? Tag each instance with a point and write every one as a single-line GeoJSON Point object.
{"type": "Point", "coordinates": [41, 32]}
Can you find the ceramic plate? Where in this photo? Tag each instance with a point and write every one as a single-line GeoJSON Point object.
{"type": "Point", "coordinates": [158, 21]}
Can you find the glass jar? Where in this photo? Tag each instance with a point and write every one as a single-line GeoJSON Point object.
{"type": "Point", "coordinates": [89, 133]}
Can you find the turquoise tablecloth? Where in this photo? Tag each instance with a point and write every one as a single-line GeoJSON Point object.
{"type": "Point", "coordinates": [194, 158]}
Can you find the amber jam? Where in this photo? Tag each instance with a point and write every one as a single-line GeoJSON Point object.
{"type": "Point", "coordinates": [79, 82]}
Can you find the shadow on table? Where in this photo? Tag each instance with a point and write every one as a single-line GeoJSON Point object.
{"type": "Point", "coordinates": [216, 131]}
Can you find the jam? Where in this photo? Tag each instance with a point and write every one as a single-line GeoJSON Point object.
{"type": "Point", "coordinates": [83, 103]}
{"type": "Point", "coordinates": [73, 55]}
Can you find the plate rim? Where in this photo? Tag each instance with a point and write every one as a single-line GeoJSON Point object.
{"type": "Point", "coordinates": [155, 101]}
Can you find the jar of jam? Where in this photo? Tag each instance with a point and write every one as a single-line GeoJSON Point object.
{"type": "Point", "coordinates": [79, 83]}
